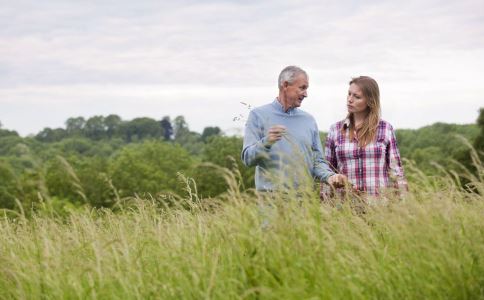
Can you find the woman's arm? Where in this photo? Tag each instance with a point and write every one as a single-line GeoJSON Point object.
{"type": "Point", "coordinates": [395, 163]}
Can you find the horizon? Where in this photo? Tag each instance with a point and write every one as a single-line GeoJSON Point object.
{"type": "Point", "coordinates": [226, 132]}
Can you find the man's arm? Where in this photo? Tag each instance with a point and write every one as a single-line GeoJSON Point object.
{"type": "Point", "coordinates": [256, 146]}
{"type": "Point", "coordinates": [321, 167]}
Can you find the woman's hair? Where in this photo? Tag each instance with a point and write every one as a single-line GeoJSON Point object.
{"type": "Point", "coordinates": [367, 131]}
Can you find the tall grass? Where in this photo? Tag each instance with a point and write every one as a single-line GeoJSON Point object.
{"type": "Point", "coordinates": [428, 245]}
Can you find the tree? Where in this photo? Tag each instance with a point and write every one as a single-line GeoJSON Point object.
{"type": "Point", "coordinates": [5, 132]}
{"type": "Point", "coordinates": [77, 146]}
{"type": "Point", "coordinates": [186, 138]}
{"type": "Point", "coordinates": [140, 128]}
{"type": "Point", "coordinates": [149, 167]}
{"type": "Point", "coordinates": [223, 152]}
{"type": "Point", "coordinates": [479, 142]}
{"type": "Point", "coordinates": [75, 126]}
{"type": "Point", "coordinates": [49, 135]}
{"type": "Point", "coordinates": [79, 179]}
{"type": "Point", "coordinates": [8, 144]}
{"type": "Point", "coordinates": [436, 143]}
{"type": "Point", "coordinates": [8, 186]}
{"type": "Point", "coordinates": [94, 128]}
{"type": "Point", "coordinates": [167, 128]}
{"type": "Point", "coordinates": [180, 128]}
{"type": "Point", "coordinates": [210, 131]}
{"type": "Point", "coordinates": [112, 122]}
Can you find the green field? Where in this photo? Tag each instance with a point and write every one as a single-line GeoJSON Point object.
{"type": "Point", "coordinates": [427, 245]}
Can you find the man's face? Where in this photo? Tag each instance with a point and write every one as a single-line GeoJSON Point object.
{"type": "Point", "coordinates": [296, 91]}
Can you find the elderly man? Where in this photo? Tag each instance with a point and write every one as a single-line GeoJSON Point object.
{"type": "Point", "coordinates": [283, 141]}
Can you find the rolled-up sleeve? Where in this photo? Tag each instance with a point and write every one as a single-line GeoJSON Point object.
{"type": "Point", "coordinates": [394, 162]}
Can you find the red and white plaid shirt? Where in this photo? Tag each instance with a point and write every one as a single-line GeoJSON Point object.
{"type": "Point", "coordinates": [371, 168]}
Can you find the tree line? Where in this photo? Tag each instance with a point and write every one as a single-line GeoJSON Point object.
{"type": "Point", "coordinates": [103, 159]}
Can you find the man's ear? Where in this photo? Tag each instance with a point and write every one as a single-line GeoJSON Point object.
{"type": "Point", "coordinates": [285, 84]}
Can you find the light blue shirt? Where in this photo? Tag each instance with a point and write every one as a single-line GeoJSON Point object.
{"type": "Point", "coordinates": [290, 162]}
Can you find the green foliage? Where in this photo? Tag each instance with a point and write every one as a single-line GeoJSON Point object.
{"type": "Point", "coordinates": [85, 147]}
{"type": "Point", "coordinates": [95, 128]}
{"type": "Point", "coordinates": [5, 132]}
{"type": "Point", "coordinates": [88, 162]}
{"type": "Point", "coordinates": [150, 167]}
{"type": "Point", "coordinates": [8, 143]}
{"type": "Point", "coordinates": [51, 135]}
{"type": "Point", "coordinates": [428, 244]}
{"type": "Point", "coordinates": [221, 152]}
{"type": "Point", "coordinates": [189, 140]}
{"type": "Point", "coordinates": [81, 180]}
{"type": "Point", "coordinates": [112, 124]}
{"type": "Point", "coordinates": [322, 137]}
{"type": "Point", "coordinates": [479, 142]}
{"type": "Point", "coordinates": [165, 123]}
{"type": "Point", "coordinates": [9, 188]}
{"type": "Point", "coordinates": [140, 128]}
{"type": "Point", "coordinates": [437, 146]}
{"type": "Point", "coordinates": [209, 132]}
{"type": "Point", "coordinates": [439, 135]}
{"type": "Point", "coordinates": [75, 126]}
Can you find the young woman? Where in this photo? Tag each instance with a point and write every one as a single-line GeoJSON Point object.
{"type": "Point", "coordinates": [363, 146]}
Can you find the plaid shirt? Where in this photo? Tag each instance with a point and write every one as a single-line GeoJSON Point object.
{"type": "Point", "coordinates": [371, 168]}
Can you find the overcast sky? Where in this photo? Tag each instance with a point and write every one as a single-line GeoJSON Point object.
{"type": "Point", "coordinates": [201, 59]}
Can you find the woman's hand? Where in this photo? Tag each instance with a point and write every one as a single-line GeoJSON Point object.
{"type": "Point", "coordinates": [338, 180]}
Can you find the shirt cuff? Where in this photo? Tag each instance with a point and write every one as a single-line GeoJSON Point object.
{"type": "Point", "coordinates": [265, 144]}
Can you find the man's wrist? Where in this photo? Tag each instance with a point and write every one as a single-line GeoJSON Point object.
{"type": "Point", "coordinates": [266, 144]}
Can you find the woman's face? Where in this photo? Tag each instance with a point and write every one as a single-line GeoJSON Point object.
{"type": "Point", "coordinates": [356, 102]}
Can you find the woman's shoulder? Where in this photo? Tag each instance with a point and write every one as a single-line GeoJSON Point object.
{"type": "Point", "coordinates": [335, 130]}
{"type": "Point", "coordinates": [385, 125]}
{"type": "Point", "coordinates": [385, 131]}
{"type": "Point", "coordinates": [338, 125]}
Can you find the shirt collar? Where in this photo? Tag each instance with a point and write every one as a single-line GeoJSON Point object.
{"type": "Point", "coordinates": [280, 108]}
{"type": "Point", "coordinates": [346, 123]}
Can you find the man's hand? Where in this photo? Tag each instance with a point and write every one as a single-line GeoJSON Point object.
{"type": "Point", "coordinates": [338, 180]}
{"type": "Point", "coordinates": [275, 134]}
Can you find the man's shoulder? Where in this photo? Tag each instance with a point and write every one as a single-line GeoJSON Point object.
{"type": "Point", "coordinates": [305, 114]}
{"type": "Point", "coordinates": [263, 109]}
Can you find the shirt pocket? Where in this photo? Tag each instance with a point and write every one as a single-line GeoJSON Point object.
{"type": "Point", "coordinates": [346, 151]}
{"type": "Point", "coordinates": [376, 150]}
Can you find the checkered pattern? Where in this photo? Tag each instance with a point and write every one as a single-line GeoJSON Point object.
{"type": "Point", "coordinates": [371, 168]}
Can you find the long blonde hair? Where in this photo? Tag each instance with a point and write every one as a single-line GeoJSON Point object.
{"type": "Point", "coordinates": [368, 130]}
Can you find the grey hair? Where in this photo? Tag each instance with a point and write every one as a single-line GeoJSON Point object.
{"type": "Point", "coordinates": [288, 74]}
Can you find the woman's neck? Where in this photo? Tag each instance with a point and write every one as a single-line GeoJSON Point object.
{"type": "Point", "coordinates": [359, 119]}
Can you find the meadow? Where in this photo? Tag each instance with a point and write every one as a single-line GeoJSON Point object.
{"type": "Point", "coordinates": [427, 244]}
